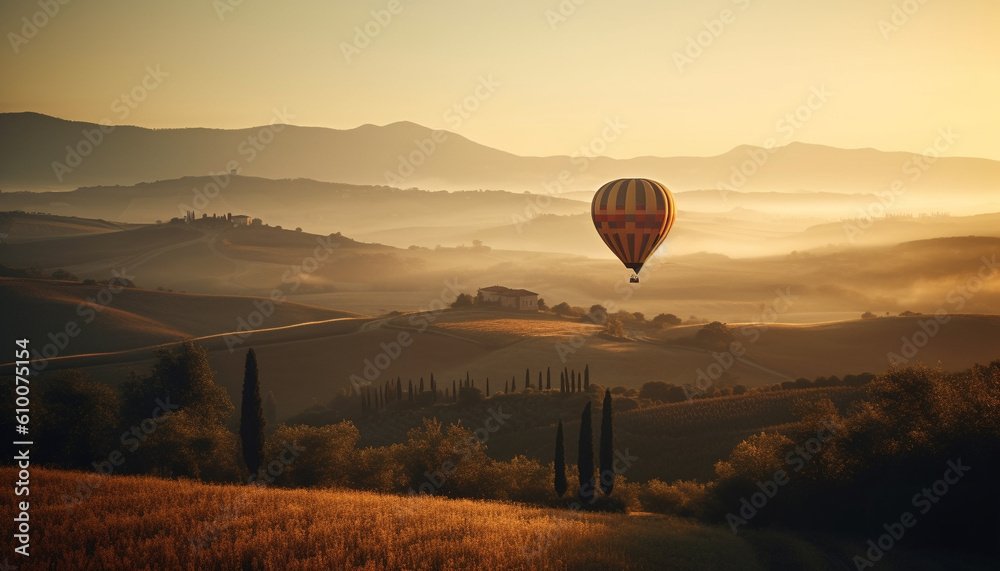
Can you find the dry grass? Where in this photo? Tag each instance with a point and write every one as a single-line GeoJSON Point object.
{"type": "Point", "coordinates": [146, 523]}
{"type": "Point", "coordinates": [504, 331]}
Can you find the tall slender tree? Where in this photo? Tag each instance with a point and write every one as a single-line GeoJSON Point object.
{"type": "Point", "coordinates": [487, 386]}
{"type": "Point", "coordinates": [454, 390]}
{"type": "Point", "coordinates": [585, 457]}
{"type": "Point", "coordinates": [607, 453]}
{"type": "Point", "coordinates": [399, 389]}
{"type": "Point", "coordinates": [560, 476]}
{"type": "Point", "coordinates": [527, 378]}
{"type": "Point", "coordinates": [548, 378]}
{"type": "Point", "coordinates": [540, 385]}
{"type": "Point", "coordinates": [513, 384]}
{"type": "Point", "coordinates": [506, 387]}
{"type": "Point", "coordinates": [421, 385]}
{"type": "Point", "coordinates": [586, 376]}
{"type": "Point", "coordinates": [252, 415]}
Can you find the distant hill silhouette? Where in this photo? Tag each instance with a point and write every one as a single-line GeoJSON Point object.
{"type": "Point", "coordinates": [30, 143]}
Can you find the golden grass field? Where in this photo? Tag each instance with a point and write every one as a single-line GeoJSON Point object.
{"type": "Point", "coordinates": [146, 523]}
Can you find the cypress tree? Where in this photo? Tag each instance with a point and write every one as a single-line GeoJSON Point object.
{"type": "Point", "coordinates": [548, 378]}
{"type": "Point", "coordinates": [585, 457]}
{"type": "Point", "coordinates": [421, 385]}
{"type": "Point", "coordinates": [607, 446]}
{"type": "Point", "coordinates": [586, 376]}
{"type": "Point", "coordinates": [433, 384]}
{"type": "Point", "coordinates": [411, 389]}
{"type": "Point", "coordinates": [562, 383]}
{"type": "Point", "coordinates": [487, 386]}
{"type": "Point", "coordinates": [560, 477]}
{"type": "Point", "coordinates": [252, 415]}
{"type": "Point", "coordinates": [467, 378]}
{"type": "Point", "coordinates": [540, 385]}
{"type": "Point", "coordinates": [527, 378]}
{"type": "Point", "coordinates": [513, 384]}
{"type": "Point", "coordinates": [506, 389]}
{"type": "Point", "coordinates": [454, 391]}
{"type": "Point", "coordinates": [572, 383]}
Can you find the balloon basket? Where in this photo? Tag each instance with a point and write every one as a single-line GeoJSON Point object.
{"type": "Point", "coordinates": [634, 279]}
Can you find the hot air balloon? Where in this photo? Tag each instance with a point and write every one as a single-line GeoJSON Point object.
{"type": "Point", "coordinates": [633, 216]}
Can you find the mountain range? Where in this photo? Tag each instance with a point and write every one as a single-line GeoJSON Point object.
{"type": "Point", "coordinates": [39, 152]}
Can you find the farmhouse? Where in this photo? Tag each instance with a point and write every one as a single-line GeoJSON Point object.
{"type": "Point", "coordinates": [519, 299]}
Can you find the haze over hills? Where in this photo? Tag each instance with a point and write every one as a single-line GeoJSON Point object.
{"type": "Point", "coordinates": [31, 143]}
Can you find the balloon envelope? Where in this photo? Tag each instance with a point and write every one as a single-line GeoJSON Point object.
{"type": "Point", "coordinates": [633, 216]}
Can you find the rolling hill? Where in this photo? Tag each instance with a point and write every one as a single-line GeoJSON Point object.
{"type": "Point", "coordinates": [166, 521]}
{"type": "Point", "coordinates": [30, 143]}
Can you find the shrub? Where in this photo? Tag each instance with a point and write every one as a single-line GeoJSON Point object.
{"type": "Point", "coordinates": [684, 498]}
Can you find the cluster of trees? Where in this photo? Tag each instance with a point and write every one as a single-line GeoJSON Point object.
{"type": "Point", "coordinates": [888, 456]}
{"type": "Point", "coordinates": [175, 421]}
{"type": "Point", "coordinates": [660, 391]}
{"type": "Point", "coordinates": [61, 274]}
{"type": "Point", "coordinates": [585, 455]}
{"type": "Point", "coordinates": [463, 391]}
{"type": "Point", "coordinates": [465, 300]}
{"type": "Point", "coordinates": [598, 313]}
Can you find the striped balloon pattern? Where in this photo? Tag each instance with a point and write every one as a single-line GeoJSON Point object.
{"type": "Point", "coordinates": [633, 216]}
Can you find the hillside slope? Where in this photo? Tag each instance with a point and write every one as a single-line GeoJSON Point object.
{"type": "Point", "coordinates": [146, 523]}
{"type": "Point", "coordinates": [30, 143]}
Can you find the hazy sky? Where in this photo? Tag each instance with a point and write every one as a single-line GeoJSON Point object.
{"type": "Point", "coordinates": [553, 80]}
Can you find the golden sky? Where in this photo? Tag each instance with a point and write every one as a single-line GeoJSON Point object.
{"type": "Point", "coordinates": [532, 77]}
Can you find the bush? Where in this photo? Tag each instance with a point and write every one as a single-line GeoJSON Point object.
{"type": "Point", "coordinates": [715, 336]}
{"type": "Point", "coordinates": [667, 320]}
{"type": "Point", "coordinates": [463, 300]}
{"type": "Point", "coordinates": [684, 498]}
{"type": "Point", "coordinates": [614, 328]}
{"type": "Point", "coordinates": [327, 455]}
{"type": "Point", "coordinates": [564, 309]}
